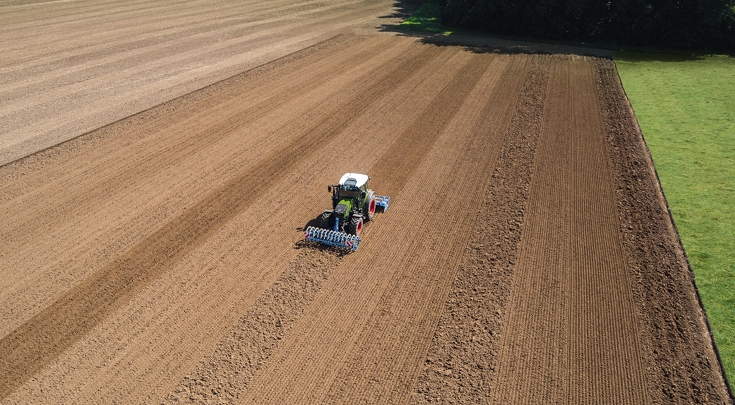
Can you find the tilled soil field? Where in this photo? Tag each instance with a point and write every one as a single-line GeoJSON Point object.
{"type": "Point", "coordinates": [527, 255]}
{"type": "Point", "coordinates": [69, 66]}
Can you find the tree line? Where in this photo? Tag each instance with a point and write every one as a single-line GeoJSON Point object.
{"type": "Point", "coordinates": [695, 25]}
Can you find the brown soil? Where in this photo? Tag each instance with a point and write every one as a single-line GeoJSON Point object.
{"type": "Point", "coordinates": [71, 67]}
{"type": "Point", "coordinates": [527, 255]}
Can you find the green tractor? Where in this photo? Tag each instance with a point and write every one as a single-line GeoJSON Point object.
{"type": "Point", "coordinates": [353, 203]}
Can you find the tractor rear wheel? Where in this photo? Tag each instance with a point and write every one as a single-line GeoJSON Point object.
{"type": "Point", "coordinates": [369, 205]}
{"type": "Point", "coordinates": [355, 226]}
{"type": "Point", "coordinates": [324, 219]}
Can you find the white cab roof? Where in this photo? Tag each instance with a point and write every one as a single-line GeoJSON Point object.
{"type": "Point", "coordinates": [360, 179]}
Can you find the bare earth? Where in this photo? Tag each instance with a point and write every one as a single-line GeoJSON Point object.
{"type": "Point", "coordinates": [69, 67]}
{"type": "Point", "coordinates": [527, 256]}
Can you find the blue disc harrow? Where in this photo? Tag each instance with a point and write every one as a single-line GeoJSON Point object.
{"type": "Point", "coordinates": [332, 238]}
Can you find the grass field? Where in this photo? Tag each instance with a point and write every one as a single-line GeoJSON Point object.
{"type": "Point", "coordinates": [686, 108]}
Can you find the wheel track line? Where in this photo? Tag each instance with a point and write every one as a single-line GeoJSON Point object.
{"type": "Point", "coordinates": [480, 289]}
{"type": "Point", "coordinates": [386, 362]}
{"type": "Point", "coordinates": [90, 302]}
{"type": "Point", "coordinates": [570, 306]}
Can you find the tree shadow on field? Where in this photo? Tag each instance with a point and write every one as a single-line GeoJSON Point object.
{"type": "Point", "coordinates": [481, 43]}
{"type": "Point", "coordinates": [403, 9]}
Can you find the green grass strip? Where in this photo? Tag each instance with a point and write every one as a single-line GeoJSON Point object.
{"type": "Point", "coordinates": [686, 108]}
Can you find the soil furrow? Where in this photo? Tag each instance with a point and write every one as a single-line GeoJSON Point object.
{"type": "Point", "coordinates": [28, 348]}
{"type": "Point", "coordinates": [481, 286]}
{"type": "Point", "coordinates": [562, 334]}
{"type": "Point", "coordinates": [391, 349]}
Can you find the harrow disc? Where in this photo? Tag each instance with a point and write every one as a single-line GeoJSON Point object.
{"type": "Point", "coordinates": [332, 238]}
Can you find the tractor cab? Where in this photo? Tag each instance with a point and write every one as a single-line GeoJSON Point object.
{"type": "Point", "coordinates": [352, 186]}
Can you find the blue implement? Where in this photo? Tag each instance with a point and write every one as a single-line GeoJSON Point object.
{"type": "Point", "coordinates": [332, 238]}
{"type": "Point", "coordinates": [382, 201]}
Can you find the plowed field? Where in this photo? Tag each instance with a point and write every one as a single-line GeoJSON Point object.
{"type": "Point", "coordinates": [527, 255]}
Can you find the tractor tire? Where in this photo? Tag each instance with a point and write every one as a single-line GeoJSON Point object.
{"type": "Point", "coordinates": [369, 208]}
{"type": "Point", "coordinates": [355, 226]}
{"type": "Point", "coordinates": [324, 219]}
